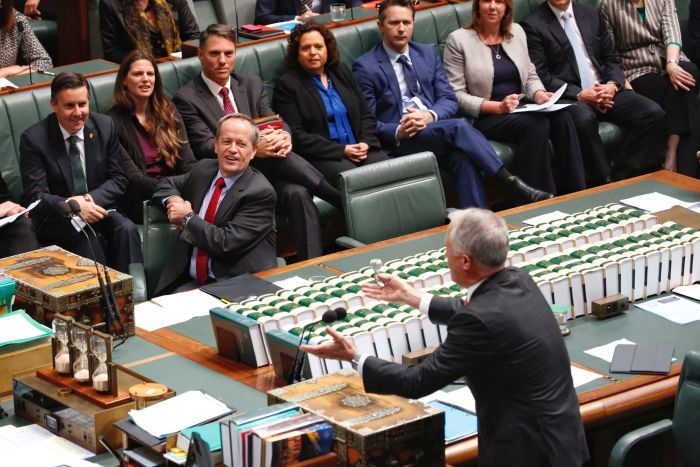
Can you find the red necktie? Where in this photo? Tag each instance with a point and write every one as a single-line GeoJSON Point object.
{"type": "Point", "coordinates": [203, 255]}
{"type": "Point", "coordinates": [228, 105]}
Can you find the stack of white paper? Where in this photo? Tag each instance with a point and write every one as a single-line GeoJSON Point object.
{"type": "Point", "coordinates": [36, 446]}
{"type": "Point", "coordinates": [167, 310]}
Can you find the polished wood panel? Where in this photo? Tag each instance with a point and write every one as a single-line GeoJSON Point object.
{"type": "Point", "coordinates": [73, 29]}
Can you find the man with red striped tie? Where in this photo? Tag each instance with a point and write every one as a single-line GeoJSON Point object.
{"type": "Point", "coordinates": [225, 211]}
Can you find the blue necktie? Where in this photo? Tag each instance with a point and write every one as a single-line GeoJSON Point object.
{"type": "Point", "coordinates": [584, 71]}
{"type": "Point", "coordinates": [409, 76]}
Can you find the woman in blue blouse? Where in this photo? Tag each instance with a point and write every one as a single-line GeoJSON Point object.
{"type": "Point", "coordinates": [332, 126]}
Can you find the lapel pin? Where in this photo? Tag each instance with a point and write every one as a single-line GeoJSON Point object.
{"type": "Point", "coordinates": [90, 135]}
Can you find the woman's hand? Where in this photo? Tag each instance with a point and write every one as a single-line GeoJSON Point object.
{"type": "Point", "coordinates": [509, 103]}
{"type": "Point", "coordinates": [13, 70]}
{"type": "Point", "coordinates": [542, 96]}
{"type": "Point", "coordinates": [356, 152]}
{"type": "Point", "coordinates": [680, 79]}
{"type": "Point", "coordinates": [31, 8]}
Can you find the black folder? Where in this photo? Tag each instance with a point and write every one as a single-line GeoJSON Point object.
{"type": "Point", "coordinates": [239, 288]}
{"type": "Point", "coordinates": [642, 358]}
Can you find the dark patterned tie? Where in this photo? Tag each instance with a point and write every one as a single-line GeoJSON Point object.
{"type": "Point", "coordinates": [228, 105]}
{"type": "Point", "coordinates": [79, 183]}
{"type": "Point", "coordinates": [409, 75]}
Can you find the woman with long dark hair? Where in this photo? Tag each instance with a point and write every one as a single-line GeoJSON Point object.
{"type": "Point", "coordinates": [150, 131]}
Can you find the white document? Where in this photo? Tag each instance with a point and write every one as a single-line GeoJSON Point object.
{"type": "Point", "coordinates": [690, 291]}
{"type": "Point", "coordinates": [14, 217]}
{"type": "Point", "coordinates": [544, 218]}
{"type": "Point", "coordinates": [582, 376]}
{"type": "Point", "coordinates": [6, 83]}
{"type": "Point", "coordinates": [36, 446]}
{"type": "Point", "coordinates": [606, 351]}
{"type": "Point", "coordinates": [461, 397]}
{"type": "Point", "coordinates": [177, 413]}
{"type": "Point", "coordinates": [16, 327]}
{"type": "Point", "coordinates": [543, 107]}
{"type": "Point", "coordinates": [167, 310]}
{"type": "Point", "coordinates": [292, 283]}
{"type": "Point", "coordinates": [675, 309]}
{"type": "Point", "coordinates": [654, 202]}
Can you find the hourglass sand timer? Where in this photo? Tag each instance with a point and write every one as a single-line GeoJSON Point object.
{"type": "Point", "coordinates": [59, 344]}
{"type": "Point", "coordinates": [81, 366]}
{"type": "Point", "coordinates": [103, 376]}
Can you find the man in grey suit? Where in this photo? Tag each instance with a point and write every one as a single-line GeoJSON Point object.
{"type": "Point", "coordinates": [506, 342]}
{"type": "Point", "coordinates": [218, 91]}
{"type": "Point", "coordinates": [225, 211]}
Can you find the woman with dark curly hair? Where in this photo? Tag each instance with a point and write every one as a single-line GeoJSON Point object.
{"type": "Point", "coordinates": [155, 26]}
{"type": "Point", "coordinates": [319, 99]}
{"type": "Point", "coordinates": [150, 131]}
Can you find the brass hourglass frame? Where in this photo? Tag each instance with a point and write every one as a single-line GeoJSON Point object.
{"type": "Point", "coordinates": [93, 362]}
{"type": "Point", "coordinates": [56, 344]}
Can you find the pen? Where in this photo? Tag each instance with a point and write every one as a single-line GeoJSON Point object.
{"type": "Point", "coordinates": [47, 73]}
{"type": "Point", "coordinates": [308, 10]}
{"type": "Point", "coordinates": [520, 97]}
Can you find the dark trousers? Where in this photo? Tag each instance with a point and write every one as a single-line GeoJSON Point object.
{"type": "Point", "coordinates": [460, 149]}
{"type": "Point", "coordinates": [640, 118]}
{"type": "Point", "coordinates": [118, 246]}
{"type": "Point", "coordinates": [532, 132]}
{"type": "Point", "coordinates": [17, 237]}
{"type": "Point", "coordinates": [296, 181]}
{"type": "Point", "coordinates": [331, 168]}
{"type": "Point", "coordinates": [677, 104]}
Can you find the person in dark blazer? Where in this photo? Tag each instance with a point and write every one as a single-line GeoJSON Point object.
{"type": "Point", "coordinates": [598, 85]}
{"type": "Point", "coordinates": [155, 26]}
{"type": "Point", "coordinates": [692, 44]}
{"type": "Point", "coordinates": [323, 105]}
{"type": "Point", "coordinates": [225, 211]}
{"type": "Point", "coordinates": [407, 89]}
{"type": "Point", "coordinates": [201, 105]}
{"type": "Point", "coordinates": [490, 70]}
{"type": "Point", "coordinates": [150, 131]}
{"type": "Point", "coordinates": [18, 236]}
{"type": "Point", "coordinates": [275, 11]}
{"type": "Point", "coordinates": [504, 340]}
{"type": "Point", "coordinates": [75, 155]}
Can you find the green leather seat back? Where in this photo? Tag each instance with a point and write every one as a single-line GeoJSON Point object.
{"type": "Point", "coordinates": [46, 31]}
{"type": "Point", "coordinates": [349, 44]}
{"type": "Point", "coordinates": [102, 92]}
{"type": "Point", "coordinates": [270, 56]}
{"type": "Point", "coordinates": [186, 69]}
{"type": "Point", "coordinates": [424, 29]}
{"type": "Point", "coordinates": [159, 237]}
{"type": "Point", "coordinates": [369, 35]}
{"type": "Point", "coordinates": [9, 164]}
{"type": "Point", "coordinates": [686, 414]}
{"type": "Point", "coordinates": [247, 61]}
{"type": "Point", "coordinates": [205, 13]}
{"type": "Point", "coordinates": [94, 29]}
{"type": "Point", "coordinates": [168, 76]}
{"type": "Point", "coordinates": [392, 198]}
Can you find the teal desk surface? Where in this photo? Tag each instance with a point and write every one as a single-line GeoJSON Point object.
{"type": "Point", "coordinates": [351, 14]}
{"type": "Point", "coordinates": [90, 67]}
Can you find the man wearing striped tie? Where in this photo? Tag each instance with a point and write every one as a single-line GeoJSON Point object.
{"type": "Point", "coordinates": [225, 211]}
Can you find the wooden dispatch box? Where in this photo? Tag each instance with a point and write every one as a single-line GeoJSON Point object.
{"type": "Point", "coordinates": [52, 280]}
{"type": "Point", "coordinates": [370, 429]}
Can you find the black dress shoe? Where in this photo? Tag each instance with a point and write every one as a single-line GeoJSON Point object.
{"type": "Point", "coordinates": [525, 192]}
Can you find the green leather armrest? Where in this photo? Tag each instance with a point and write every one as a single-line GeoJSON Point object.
{"type": "Point", "coordinates": [624, 444]}
{"type": "Point", "coordinates": [136, 271]}
{"type": "Point", "coordinates": [347, 242]}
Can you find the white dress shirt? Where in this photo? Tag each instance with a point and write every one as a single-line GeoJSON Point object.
{"type": "Point", "coordinates": [559, 13]}
{"type": "Point", "coordinates": [215, 89]}
{"type": "Point", "coordinates": [80, 143]}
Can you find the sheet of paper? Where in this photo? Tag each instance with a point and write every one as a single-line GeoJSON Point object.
{"type": "Point", "coordinates": [150, 316]}
{"type": "Point", "coordinates": [582, 376]}
{"type": "Point", "coordinates": [549, 217]}
{"type": "Point", "coordinates": [654, 202]}
{"type": "Point", "coordinates": [36, 446]}
{"type": "Point", "coordinates": [540, 107]}
{"type": "Point", "coordinates": [177, 413]}
{"type": "Point", "coordinates": [676, 309]}
{"type": "Point", "coordinates": [14, 217]}
{"type": "Point", "coordinates": [6, 83]}
{"type": "Point", "coordinates": [292, 282]}
{"type": "Point", "coordinates": [286, 26]}
{"type": "Point", "coordinates": [461, 397]}
{"type": "Point", "coordinates": [691, 291]}
{"type": "Point", "coordinates": [18, 327]}
{"type": "Point", "coordinates": [606, 351]}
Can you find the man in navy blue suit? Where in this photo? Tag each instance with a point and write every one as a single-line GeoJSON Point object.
{"type": "Point", "coordinates": [406, 87]}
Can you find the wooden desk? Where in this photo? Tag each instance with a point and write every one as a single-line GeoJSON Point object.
{"type": "Point", "coordinates": [38, 80]}
{"type": "Point", "coordinates": [609, 406]}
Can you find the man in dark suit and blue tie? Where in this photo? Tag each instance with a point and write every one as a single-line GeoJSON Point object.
{"type": "Point", "coordinates": [569, 44]}
{"type": "Point", "coordinates": [225, 211]}
{"type": "Point", "coordinates": [75, 155]}
{"type": "Point", "coordinates": [407, 88]}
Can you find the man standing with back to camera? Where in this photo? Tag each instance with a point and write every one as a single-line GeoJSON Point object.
{"type": "Point", "coordinates": [506, 342]}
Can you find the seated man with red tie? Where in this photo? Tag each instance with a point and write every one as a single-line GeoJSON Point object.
{"type": "Point", "coordinates": [225, 211]}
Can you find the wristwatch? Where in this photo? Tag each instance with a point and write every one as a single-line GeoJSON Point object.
{"type": "Point", "coordinates": [355, 362]}
{"type": "Point", "coordinates": [186, 218]}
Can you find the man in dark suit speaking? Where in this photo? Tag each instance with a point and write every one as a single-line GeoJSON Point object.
{"type": "Point", "coordinates": [225, 211]}
{"type": "Point", "coordinates": [506, 342]}
{"type": "Point", "coordinates": [73, 154]}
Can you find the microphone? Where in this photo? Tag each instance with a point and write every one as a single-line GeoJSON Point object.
{"type": "Point", "coordinates": [328, 317]}
{"type": "Point", "coordinates": [107, 291]}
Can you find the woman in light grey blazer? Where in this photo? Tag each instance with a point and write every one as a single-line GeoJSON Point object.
{"type": "Point", "coordinates": [488, 66]}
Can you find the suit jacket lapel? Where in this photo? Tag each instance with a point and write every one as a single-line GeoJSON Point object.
{"type": "Point", "coordinates": [388, 70]}
{"type": "Point", "coordinates": [586, 29]}
{"type": "Point", "coordinates": [232, 195]}
{"type": "Point", "coordinates": [211, 103]}
{"type": "Point", "coordinates": [343, 89]}
{"type": "Point", "coordinates": [419, 68]}
{"type": "Point", "coordinates": [240, 96]}
{"type": "Point", "coordinates": [58, 147]}
{"type": "Point", "coordinates": [202, 185]}
{"type": "Point", "coordinates": [310, 86]}
{"type": "Point", "coordinates": [92, 153]}
{"type": "Point", "coordinates": [559, 34]}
